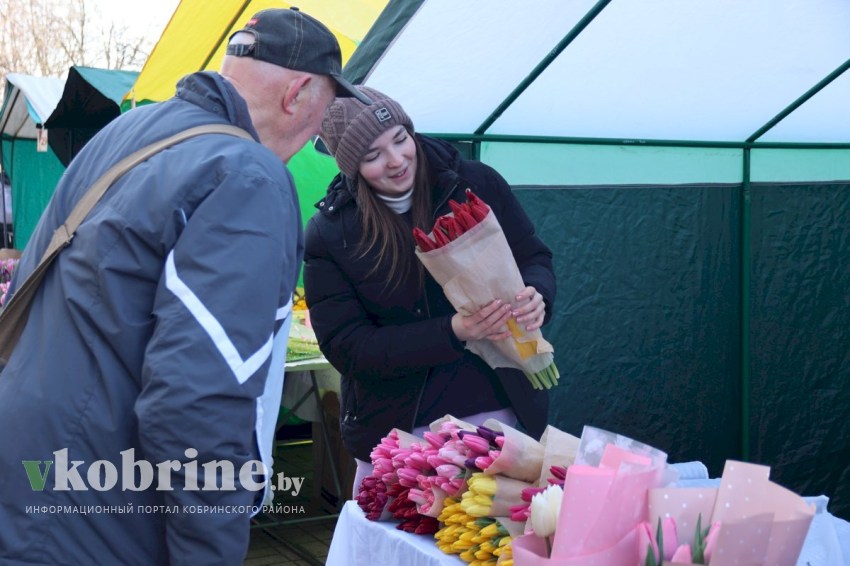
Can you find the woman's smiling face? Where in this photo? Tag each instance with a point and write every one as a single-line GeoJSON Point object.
{"type": "Point", "coordinates": [389, 165]}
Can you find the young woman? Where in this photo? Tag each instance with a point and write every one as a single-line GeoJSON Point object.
{"type": "Point", "coordinates": [380, 318]}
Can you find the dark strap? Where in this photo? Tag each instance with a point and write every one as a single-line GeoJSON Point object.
{"type": "Point", "coordinates": [14, 316]}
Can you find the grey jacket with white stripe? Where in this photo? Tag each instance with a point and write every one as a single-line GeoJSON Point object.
{"type": "Point", "coordinates": [155, 345]}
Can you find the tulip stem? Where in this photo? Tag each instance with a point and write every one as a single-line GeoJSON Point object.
{"type": "Point", "coordinates": [548, 546]}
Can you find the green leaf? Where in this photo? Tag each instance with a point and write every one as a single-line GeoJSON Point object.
{"type": "Point", "coordinates": [659, 538]}
{"type": "Point", "coordinates": [650, 557]}
{"type": "Point", "coordinates": [698, 551]}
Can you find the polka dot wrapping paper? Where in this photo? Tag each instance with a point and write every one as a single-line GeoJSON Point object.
{"type": "Point", "coordinates": [758, 521]}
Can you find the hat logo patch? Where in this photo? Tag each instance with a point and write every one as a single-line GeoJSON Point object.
{"type": "Point", "coordinates": [382, 114]}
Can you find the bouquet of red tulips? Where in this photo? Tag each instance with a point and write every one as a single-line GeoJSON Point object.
{"type": "Point", "coordinates": [468, 255]}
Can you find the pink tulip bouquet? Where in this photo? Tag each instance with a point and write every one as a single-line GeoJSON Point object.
{"type": "Point", "coordinates": [460, 447]}
{"type": "Point", "coordinates": [391, 491]}
{"type": "Point", "coordinates": [372, 495]}
{"type": "Point", "coordinates": [662, 546]}
{"type": "Point", "coordinates": [604, 500]}
{"type": "Point", "coordinates": [746, 520]}
{"type": "Point", "coordinates": [510, 452]}
{"type": "Point", "coordinates": [377, 490]}
{"type": "Point", "coordinates": [428, 474]}
{"type": "Point", "coordinates": [7, 267]}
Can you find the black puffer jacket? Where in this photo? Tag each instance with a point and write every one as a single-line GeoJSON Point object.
{"type": "Point", "coordinates": [401, 364]}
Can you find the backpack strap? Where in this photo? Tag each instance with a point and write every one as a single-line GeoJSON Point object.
{"type": "Point", "coordinates": [14, 316]}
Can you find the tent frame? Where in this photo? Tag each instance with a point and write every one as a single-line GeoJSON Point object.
{"type": "Point", "coordinates": [745, 201]}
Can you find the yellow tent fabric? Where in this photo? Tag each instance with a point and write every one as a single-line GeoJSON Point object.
{"type": "Point", "coordinates": [196, 36]}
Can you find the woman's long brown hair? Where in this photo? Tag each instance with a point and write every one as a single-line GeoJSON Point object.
{"type": "Point", "coordinates": [388, 232]}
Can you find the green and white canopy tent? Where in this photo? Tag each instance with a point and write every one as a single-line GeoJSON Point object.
{"type": "Point", "coordinates": [67, 113]}
{"type": "Point", "coordinates": [33, 172]}
{"type": "Point", "coordinates": [689, 164]}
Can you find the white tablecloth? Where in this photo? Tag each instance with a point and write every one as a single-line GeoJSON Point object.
{"type": "Point", "coordinates": [358, 541]}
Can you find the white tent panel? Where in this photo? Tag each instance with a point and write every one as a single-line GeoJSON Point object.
{"type": "Point", "coordinates": [684, 69]}
{"type": "Point", "coordinates": [22, 113]}
{"type": "Point", "coordinates": [455, 62]}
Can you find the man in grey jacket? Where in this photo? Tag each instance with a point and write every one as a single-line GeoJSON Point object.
{"type": "Point", "coordinates": [137, 411]}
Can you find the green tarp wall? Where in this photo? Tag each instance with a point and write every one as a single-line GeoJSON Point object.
{"type": "Point", "coordinates": [33, 176]}
{"type": "Point", "coordinates": [697, 308]}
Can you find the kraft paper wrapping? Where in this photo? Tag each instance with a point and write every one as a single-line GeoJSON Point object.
{"type": "Point", "coordinates": [437, 507]}
{"type": "Point", "coordinates": [406, 440]}
{"type": "Point", "coordinates": [520, 458]}
{"type": "Point", "coordinates": [514, 528]}
{"type": "Point", "coordinates": [461, 424]}
{"type": "Point", "coordinates": [508, 494]}
{"type": "Point", "coordinates": [475, 269]}
{"type": "Point", "coordinates": [559, 449]}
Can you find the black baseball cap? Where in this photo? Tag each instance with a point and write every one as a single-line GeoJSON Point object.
{"type": "Point", "coordinates": [292, 39]}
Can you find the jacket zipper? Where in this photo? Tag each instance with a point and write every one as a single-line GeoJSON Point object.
{"type": "Point", "coordinates": [425, 379]}
{"type": "Point", "coordinates": [446, 198]}
{"type": "Point", "coordinates": [428, 315]}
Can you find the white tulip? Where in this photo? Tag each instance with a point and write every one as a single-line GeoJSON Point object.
{"type": "Point", "coordinates": [545, 508]}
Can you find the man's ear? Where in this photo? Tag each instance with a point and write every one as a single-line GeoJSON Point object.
{"type": "Point", "coordinates": [294, 92]}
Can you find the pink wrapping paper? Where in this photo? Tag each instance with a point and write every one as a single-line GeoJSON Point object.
{"type": "Point", "coordinates": [761, 522]}
{"type": "Point", "coordinates": [603, 504]}
{"type": "Point", "coordinates": [530, 550]}
{"type": "Point", "coordinates": [684, 505]}
{"type": "Point", "coordinates": [747, 495]}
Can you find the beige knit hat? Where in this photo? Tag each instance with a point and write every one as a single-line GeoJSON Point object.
{"type": "Point", "coordinates": [349, 126]}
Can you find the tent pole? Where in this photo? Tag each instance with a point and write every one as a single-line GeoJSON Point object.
{"type": "Point", "coordinates": [542, 65]}
{"type": "Point", "coordinates": [746, 265]}
{"type": "Point", "coordinates": [236, 17]}
{"type": "Point", "coordinates": [511, 138]}
{"type": "Point", "coordinates": [799, 102]}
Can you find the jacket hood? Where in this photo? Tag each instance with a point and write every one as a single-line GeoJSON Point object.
{"type": "Point", "coordinates": [442, 157]}
{"type": "Point", "coordinates": [216, 95]}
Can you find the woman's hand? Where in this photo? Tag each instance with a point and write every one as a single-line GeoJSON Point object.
{"type": "Point", "coordinates": [489, 323]}
{"type": "Point", "coordinates": [530, 309]}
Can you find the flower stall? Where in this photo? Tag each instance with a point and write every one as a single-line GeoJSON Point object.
{"type": "Point", "coordinates": [491, 495]}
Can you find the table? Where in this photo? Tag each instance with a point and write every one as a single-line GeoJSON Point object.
{"type": "Point", "coordinates": [358, 541]}
{"type": "Point", "coordinates": [305, 379]}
